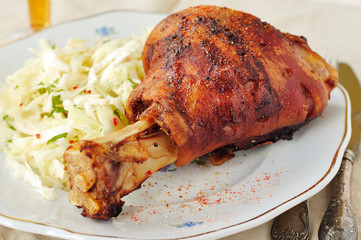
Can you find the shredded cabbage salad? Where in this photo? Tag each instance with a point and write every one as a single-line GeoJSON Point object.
{"type": "Point", "coordinates": [61, 96]}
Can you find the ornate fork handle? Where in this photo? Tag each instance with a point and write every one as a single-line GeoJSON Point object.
{"type": "Point", "coordinates": [338, 222]}
{"type": "Point", "coordinates": [293, 224]}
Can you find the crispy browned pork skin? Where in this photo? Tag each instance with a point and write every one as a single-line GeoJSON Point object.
{"type": "Point", "coordinates": [217, 80]}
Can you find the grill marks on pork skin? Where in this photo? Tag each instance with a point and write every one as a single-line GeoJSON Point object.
{"type": "Point", "coordinates": [216, 77]}
{"type": "Point", "coordinates": [217, 80]}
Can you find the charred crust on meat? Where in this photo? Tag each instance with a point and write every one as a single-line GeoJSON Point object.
{"type": "Point", "coordinates": [217, 80]}
{"type": "Point", "coordinates": [285, 133]}
{"type": "Point", "coordinates": [330, 83]}
{"type": "Point", "coordinates": [230, 59]}
{"type": "Point", "coordinates": [303, 38]}
{"type": "Point", "coordinates": [88, 154]}
{"type": "Point", "coordinates": [220, 155]}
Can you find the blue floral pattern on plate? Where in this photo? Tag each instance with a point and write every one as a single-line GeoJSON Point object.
{"type": "Point", "coordinates": [105, 31]}
{"type": "Point", "coordinates": [188, 224]}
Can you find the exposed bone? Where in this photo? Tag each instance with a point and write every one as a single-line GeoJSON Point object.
{"type": "Point", "coordinates": [103, 170]}
{"type": "Point", "coordinates": [128, 131]}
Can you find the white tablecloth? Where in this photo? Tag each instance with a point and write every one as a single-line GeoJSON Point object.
{"type": "Point", "coordinates": [332, 27]}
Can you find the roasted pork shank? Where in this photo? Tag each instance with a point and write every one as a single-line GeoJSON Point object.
{"type": "Point", "coordinates": [217, 80]}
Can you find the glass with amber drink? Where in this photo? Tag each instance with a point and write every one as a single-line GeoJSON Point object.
{"type": "Point", "coordinates": [39, 12]}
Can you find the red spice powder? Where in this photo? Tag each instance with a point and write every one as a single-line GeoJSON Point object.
{"type": "Point", "coordinates": [251, 192]}
{"type": "Point", "coordinates": [115, 121]}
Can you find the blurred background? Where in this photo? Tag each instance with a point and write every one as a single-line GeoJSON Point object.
{"type": "Point", "coordinates": [321, 21]}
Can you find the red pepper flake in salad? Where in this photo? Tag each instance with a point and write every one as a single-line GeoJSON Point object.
{"type": "Point", "coordinates": [89, 91]}
{"type": "Point", "coordinates": [149, 172]}
{"type": "Point", "coordinates": [38, 136]}
{"type": "Point", "coordinates": [115, 121]}
{"type": "Point", "coordinates": [21, 104]}
{"type": "Point", "coordinates": [75, 87]}
{"type": "Point", "coordinates": [71, 141]}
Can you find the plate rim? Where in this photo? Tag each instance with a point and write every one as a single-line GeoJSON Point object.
{"type": "Point", "coordinates": [62, 232]}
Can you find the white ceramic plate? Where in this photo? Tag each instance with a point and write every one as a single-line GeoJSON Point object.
{"type": "Point", "coordinates": [193, 202]}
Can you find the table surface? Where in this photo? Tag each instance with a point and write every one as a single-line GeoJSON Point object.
{"type": "Point", "coordinates": [332, 28]}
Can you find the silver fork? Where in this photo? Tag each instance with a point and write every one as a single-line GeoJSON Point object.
{"type": "Point", "coordinates": [293, 224]}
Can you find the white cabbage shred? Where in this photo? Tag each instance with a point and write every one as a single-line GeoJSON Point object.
{"type": "Point", "coordinates": [64, 95]}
